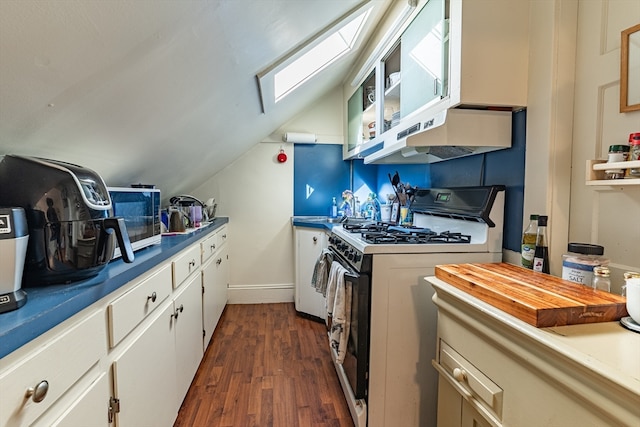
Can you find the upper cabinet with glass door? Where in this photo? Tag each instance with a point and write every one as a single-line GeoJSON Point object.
{"type": "Point", "coordinates": [424, 58]}
{"type": "Point", "coordinates": [410, 74]}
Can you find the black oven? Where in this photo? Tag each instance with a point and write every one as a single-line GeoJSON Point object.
{"type": "Point", "coordinates": [356, 359]}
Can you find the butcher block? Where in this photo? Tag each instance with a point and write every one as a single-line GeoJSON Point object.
{"type": "Point", "coordinates": [536, 298]}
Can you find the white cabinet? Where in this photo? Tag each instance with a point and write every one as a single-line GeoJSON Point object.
{"type": "Point", "coordinates": [309, 243]}
{"type": "Point", "coordinates": [59, 367]}
{"type": "Point", "coordinates": [144, 376]}
{"type": "Point", "coordinates": [215, 281]}
{"type": "Point", "coordinates": [89, 408]}
{"type": "Point", "coordinates": [497, 370]}
{"type": "Point", "coordinates": [187, 323]}
{"type": "Point", "coordinates": [127, 360]}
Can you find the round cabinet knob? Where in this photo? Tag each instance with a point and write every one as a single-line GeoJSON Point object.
{"type": "Point", "coordinates": [459, 374]}
{"type": "Point", "coordinates": [39, 392]}
{"type": "Point", "coordinates": [315, 239]}
{"type": "Point", "coordinates": [152, 297]}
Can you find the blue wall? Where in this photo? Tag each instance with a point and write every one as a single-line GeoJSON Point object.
{"type": "Point", "coordinates": [321, 166]}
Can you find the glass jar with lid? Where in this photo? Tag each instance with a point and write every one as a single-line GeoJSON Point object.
{"type": "Point", "coordinates": [601, 280]}
{"type": "Point", "coordinates": [578, 263]}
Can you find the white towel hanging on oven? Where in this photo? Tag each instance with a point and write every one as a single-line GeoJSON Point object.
{"type": "Point", "coordinates": [341, 311]}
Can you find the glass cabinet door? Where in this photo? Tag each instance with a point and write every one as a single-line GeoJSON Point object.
{"type": "Point", "coordinates": [361, 114]}
{"type": "Point", "coordinates": [424, 58]}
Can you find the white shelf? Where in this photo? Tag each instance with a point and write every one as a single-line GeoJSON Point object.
{"type": "Point", "coordinates": [595, 173]}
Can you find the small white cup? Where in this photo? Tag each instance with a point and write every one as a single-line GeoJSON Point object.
{"type": "Point", "coordinates": [632, 290]}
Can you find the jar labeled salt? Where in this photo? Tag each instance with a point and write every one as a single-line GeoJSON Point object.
{"type": "Point", "coordinates": [578, 263]}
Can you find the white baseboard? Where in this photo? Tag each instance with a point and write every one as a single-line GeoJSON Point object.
{"type": "Point", "coordinates": [260, 294]}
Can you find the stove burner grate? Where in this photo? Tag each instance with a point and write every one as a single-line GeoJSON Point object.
{"type": "Point", "coordinates": [419, 236]}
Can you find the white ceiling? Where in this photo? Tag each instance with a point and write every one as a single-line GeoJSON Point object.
{"type": "Point", "coordinates": [151, 91]}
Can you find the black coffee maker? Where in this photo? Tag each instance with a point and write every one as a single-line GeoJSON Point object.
{"type": "Point", "coordinates": [70, 219]}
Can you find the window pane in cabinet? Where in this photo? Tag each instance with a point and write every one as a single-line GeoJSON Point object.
{"type": "Point", "coordinates": [424, 58]}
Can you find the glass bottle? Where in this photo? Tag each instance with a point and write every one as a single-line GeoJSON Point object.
{"type": "Point", "coordinates": [601, 279]}
{"type": "Point", "coordinates": [334, 208]}
{"type": "Point", "coordinates": [541, 256]}
{"type": "Point", "coordinates": [528, 248]}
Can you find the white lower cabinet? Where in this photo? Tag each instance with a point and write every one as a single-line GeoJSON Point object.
{"type": "Point", "coordinates": [37, 385]}
{"type": "Point", "coordinates": [89, 408]}
{"type": "Point", "coordinates": [129, 359]}
{"type": "Point", "coordinates": [309, 243]}
{"type": "Point", "coordinates": [215, 279]}
{"type": "Point", "coordinates": [187, 323]}
{"type": "Point", "coordinates": [144, 376]}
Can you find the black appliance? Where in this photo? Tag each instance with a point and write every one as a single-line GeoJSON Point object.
{"type": "Point", "coordinates": [14, 236]}
{"type": "Point", "coordinates": [69, 215]}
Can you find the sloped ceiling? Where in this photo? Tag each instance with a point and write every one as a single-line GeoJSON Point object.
{"type": "Point", "coordinates": [151, 91]}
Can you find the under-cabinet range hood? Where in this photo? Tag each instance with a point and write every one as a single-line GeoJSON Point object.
{"type": "Point", "coordinates": [436, 136]}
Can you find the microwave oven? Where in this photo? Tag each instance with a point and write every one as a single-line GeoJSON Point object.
{"type": "Point", "coordinates": [140, 208]}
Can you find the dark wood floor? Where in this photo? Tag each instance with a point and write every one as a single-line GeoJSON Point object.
{"type": "Point", "coordinates": [266, 366]}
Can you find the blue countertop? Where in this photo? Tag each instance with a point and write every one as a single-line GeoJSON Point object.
{"type": "Point", "coordinates": [48, 306]}
{"type": "Point", "coordinates": [313, 222]}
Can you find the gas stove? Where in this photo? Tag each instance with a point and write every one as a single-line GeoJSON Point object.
{"type": "Point", "coordinates": [463, 219]}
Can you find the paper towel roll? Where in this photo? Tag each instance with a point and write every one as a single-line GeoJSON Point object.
{"type": "Point", "coordinates": [309, 138]}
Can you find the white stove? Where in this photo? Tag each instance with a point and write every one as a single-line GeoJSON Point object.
{"type": "Point", "coordinates": [387, 375]}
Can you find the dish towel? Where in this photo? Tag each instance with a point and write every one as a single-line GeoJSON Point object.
{"type": "Point", "coordinates": [339, 297]}
{"type": "Point", "coordinates": [321, 272]}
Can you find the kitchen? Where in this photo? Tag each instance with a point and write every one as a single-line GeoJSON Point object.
{"type": "Point", "coordinates": [571, 112]}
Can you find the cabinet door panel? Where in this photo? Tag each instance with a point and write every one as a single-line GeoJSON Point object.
{"type": "Point", "coordinates": [423, 58]}
{"type": "Point", "coordinates": [215, 277]}
{"type": "Point", "coordinates": [61, 362]}
{"type": "Point", "coordinates": [188, 334]}
{"type": "Point", "coordinates": [309, 246]}
{"type": "Point", "coordinates": [90, 408]}
{"type": "Point", "coordinates": [144, 376]}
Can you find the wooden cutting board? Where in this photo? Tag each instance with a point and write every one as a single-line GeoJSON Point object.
{"type": "Point", "coordinates": [536, 298]}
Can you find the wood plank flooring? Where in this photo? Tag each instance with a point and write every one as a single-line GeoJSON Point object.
{"type": "Point", "coordinates": [265, 366]}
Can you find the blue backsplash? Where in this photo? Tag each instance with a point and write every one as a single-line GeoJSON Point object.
{"type": "Point", "coordinates": [320, 174]}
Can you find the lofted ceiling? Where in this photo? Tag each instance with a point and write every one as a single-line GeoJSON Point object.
{"type": "Point", "coordinates": [152, 91]}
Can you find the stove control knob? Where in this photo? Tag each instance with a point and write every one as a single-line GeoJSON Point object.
{"type": "Point", "coordinates": [357, 257]}
{"type": "Point", "coordinates": [350, 255]}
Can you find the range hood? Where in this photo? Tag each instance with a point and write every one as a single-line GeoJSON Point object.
{"type": "Point", "coordinates": [447, 134]}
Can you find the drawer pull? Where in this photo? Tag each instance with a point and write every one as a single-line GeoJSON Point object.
{"type": "Point", "coordinates": [178, 311]}
{"type": "Point", "coordinates": [315, 239]}
{"type": "Point", "coordinates": [213, 247]}
{"type": "Point", "coordinates": [219, 261]}
{"type": "Point", "coordinates": [39, 392]}
{"type": "Point", "coordinates": [152, 297]}
{"type": "Point", "coordinates": [224, 236]}
{"type": "Point", "coordinates": [459, 374]}
{"type": "Point", "coordinates": [192, 263]}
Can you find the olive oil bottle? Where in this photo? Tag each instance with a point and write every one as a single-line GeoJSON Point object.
{"type": "Point", "coordinates": [528, 247]}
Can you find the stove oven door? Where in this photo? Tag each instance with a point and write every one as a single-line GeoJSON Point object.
{"type": "Point", "coordinates": [356, 360]}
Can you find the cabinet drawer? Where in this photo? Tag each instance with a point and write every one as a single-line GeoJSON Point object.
{"type": "Point", "coordinates": [473, 381]}
{"type": "Point", "coordinates": [209, 246]}
{"type": "Point", "coordinates": [185, 264]}
{"type": "Point", "coordinates": [223, 236]}
{"type": "Point", "coordinates": [127, 311]}
{"type": "Point", "coordinates": [61, 362]}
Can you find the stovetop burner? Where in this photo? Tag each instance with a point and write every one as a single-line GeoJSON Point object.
{"type": "Point", "coordinates": [383, 233]}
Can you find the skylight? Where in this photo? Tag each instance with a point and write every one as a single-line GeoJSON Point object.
{"type": "Point", "coordinates": [316, 55]}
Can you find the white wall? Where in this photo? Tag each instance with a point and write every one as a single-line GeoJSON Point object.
{"type": "Point", "coordinates": [604, 215]}
{"type": "Point", "coordinates": [256, 193]}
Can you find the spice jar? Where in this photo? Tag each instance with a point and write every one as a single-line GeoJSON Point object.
{"type": "Point", "coordinates": [617, 153]}
{"type": "Point", "coordinates": [634, 154]}
{"type": "Point", "coordinates": [601, 279]}
{"type": "Point", "coordinates": [578, 263]}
